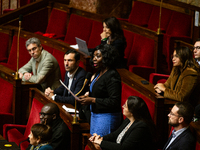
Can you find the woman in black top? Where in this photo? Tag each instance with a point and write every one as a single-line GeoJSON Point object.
{"type": "Point", "coordinates": [136, 132]}
{"type": "Point", "coordinates": [105, 92]}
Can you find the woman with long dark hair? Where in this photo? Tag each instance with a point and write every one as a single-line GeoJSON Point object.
{"type": "Point", "coordinates": [136, 132]}
{"type": "Point", "coordinates": [184, 78]}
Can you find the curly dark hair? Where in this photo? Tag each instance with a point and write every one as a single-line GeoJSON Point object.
{"type": "Point", "coordinates": [115, 28]}
{"type": "Point", "coordinates": [109, 55]}
{"type": "Point", "coordinates": [186, 57]}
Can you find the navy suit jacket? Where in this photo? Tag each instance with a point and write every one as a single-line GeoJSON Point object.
{"type": "Point", "coordinates": [77, 83]}
{"type": "Point", "coordinates": [185, 141]}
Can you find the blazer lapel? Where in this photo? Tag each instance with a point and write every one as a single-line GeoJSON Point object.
{"type": "Point", "coordinates": [66, 83]}
{"type": "Point", "coordinates": [169, 139]}
{"type": "Point", "coordinates": [177, 139]}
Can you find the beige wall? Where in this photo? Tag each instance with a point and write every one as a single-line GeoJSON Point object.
{"type": "Point", "coordinates": [87, 5]}
{"type": "Point", "coordinates": [192, 2]}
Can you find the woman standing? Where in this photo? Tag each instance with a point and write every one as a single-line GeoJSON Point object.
{"type": "Point", "coordinates": [184, 78]}
{"type": "Point", "coordinates": [104, 92]}
{"type": "Point", "coordinates": [113, 35]}
{"type": "Point", "coordinates": [136, 132]}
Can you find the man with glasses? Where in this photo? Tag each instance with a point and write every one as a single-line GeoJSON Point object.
{"type": "Point", "coordinates": [196, 50]}
{"type": "Point", "coordinates": [181, 138]}
{"type": "Point", "coordinates": [42, 68]}
{"type": "Point", "coordinates": [50, 115]}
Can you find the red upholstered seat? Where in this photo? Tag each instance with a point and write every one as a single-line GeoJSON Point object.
{"type": "Point", "coordinates": [129, 91]}
{"type": "Point", "coordinates": [155, 78]}
{"type": "Point", "coordinates": [141, 56]}
{"type": "Point", "coordinates": [4, 40]}
{"type": "Point", "coordinates": [197, 146]}
{"type": "Point", "coordinates": [56, 25]}
{"type": "Point", "coordinates": [6, 97]}
{"type": "Point", "coordinates": [48, 48]}
{"type": "Point", "coordinates": [95, 38]}
{"type": "Point", "coordinates": [78, 27]}
{"type": "Point", "coordinates": [154, 19]}
{"type": "Point", "coordinates": [129, 40]}
{"type": "Point", "coordinates": [179, 28]}
{"type": "Point", "coordinates": [18, 133]}
{"type": "Point", "coordinates": [142, 52]}
{"type": "Point", "coordinates": [59, 55]}
{"type": "Point", "coordinates": [24, 56]}
{"type": "Point", "coordinates": [140, 13]}
{"type": "Point", "coordinates": [180, 25]}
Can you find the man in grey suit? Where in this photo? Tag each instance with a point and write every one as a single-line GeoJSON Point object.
{"type": "Point", "coordinates": [42, 68]}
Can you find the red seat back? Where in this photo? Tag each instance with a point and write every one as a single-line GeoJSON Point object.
{"type": "Point", "coordinates": [78, 27]}
{"type": "Point", "coordinates": [48, 48]}
{"type": "Point", "coordinates": [57, 22]}
{"type": "Point", "coordinates": [180, 25]}
{"type": "Point", "coordinates": [24, 56]}
{"type": "Point", "coordinates": [142, 52]}
{"type": "Point", "coordinates": [95, 38]}
{"type": "Point", "coordinates": [129, 91]}
{"type": "Point", "coordinates": [34, 115]}
{"type": "Point", "coordinates": [6, 96]}
{"type": "Point", "coordinates": [59, 55]}
{"type": "Point", "coordinates": [129, 40]}
{"type": "Point", "coordinates": [140, 13]}
{"type": "Point", "coordinates": [154, 18]}
{"type": "Point", "coordinates": [4, 40]}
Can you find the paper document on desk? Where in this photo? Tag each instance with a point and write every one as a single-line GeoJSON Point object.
{"type": "Point", "coordinates": [74, 46]}
{"type": "Point", "coordinates": [70, 91]}
{"type": "Point", "coordinates": [70, 110]}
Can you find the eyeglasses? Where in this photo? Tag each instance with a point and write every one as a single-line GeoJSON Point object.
{"type": "Point", "coordinates": [44, 114]}
{"type": "Point", "coordinates": [172, 114]}
{"type": "Point", "coordinates": [197, 48]}
{"type": "Point", "coordinates": [176, 56]}
{"type": "Point", "coordinates": [32, 49]}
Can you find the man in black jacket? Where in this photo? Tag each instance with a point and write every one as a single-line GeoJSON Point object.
{"type": "Point", "coordinates": [196, 50]}
{"type": "Point", "coordinates": [181, 138]}
{"type": "Point", "coordinates": [74, 79]}
{"type": "Point", "coordinates": [50, 115]}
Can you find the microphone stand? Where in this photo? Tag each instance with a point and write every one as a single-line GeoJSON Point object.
{"type": "Point", "coordinates": [75, 118]}
{"type": "Point", "coordinates": [17, 74]}
{"type": "Point", "coordinates": [159, 30]}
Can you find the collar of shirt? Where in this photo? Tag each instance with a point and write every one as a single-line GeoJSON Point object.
{"type": "Point", "coordinates": [198, 61]}
{"type": "Point", "coordinates": [177, 133]}
{"type": "Point", "coordinates": [71, 76]}
{"type": "Point", "coordinates": [39, 58]}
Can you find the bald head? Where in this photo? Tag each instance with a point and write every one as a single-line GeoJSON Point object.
{"type": "Point", "coordinates": [49, 112]}
{"type": "Point", "coordinates": [51, 108]}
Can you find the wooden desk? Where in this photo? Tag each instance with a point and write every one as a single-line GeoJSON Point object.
{"type": "Point", "coordinates": [1, 138]}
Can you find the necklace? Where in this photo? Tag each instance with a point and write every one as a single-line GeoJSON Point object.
{"type": "Point", "coordinates": [100, 74]}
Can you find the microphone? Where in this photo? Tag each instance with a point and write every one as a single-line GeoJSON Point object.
{"type": "Point", "coordinates": [20, 17]}
{"type": "Point", "coordinates": [88, 77]}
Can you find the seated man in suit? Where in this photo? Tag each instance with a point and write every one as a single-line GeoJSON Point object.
{"type": "Point", "coordinates": [74, 79]}
{"type": "Point", "coordinates": [181, 138]}
{"type": "Point", "coordinates": [42, 68]}
{"type": "Point", "coordinates": [196, 50]}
